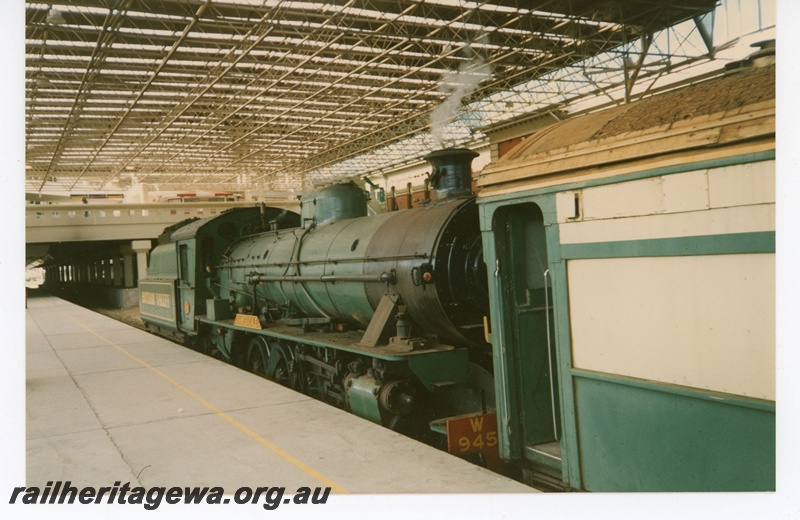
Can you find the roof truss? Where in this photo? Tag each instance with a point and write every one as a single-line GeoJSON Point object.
{"type": "Point", "coordinates": [228, 92]}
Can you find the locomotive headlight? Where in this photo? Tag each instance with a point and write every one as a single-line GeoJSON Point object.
{"type": "Point", "coordinates": [422, 275]}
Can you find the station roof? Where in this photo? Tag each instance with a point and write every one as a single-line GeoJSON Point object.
{"type": "Point", "coordinates": [216, 94]}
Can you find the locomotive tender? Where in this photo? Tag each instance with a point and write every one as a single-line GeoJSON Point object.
{"type": "Point", "coordinates": [631, 292]}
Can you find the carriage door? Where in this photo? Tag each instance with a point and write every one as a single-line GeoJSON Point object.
{"type": "Point", "coordinates": [186, 288]}
{"type": "Point", "coordinates": [527, 293]}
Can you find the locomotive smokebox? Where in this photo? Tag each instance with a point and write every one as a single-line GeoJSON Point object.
{"type": "Point", "coordinates": [451, 173]}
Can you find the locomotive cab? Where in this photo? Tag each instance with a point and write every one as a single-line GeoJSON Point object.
{"type": "Point", "coordinates": [181, 275]}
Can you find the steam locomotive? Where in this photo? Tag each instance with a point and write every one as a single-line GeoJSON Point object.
{"type": "Point", "coordinates": [381, 315]}
{"type": "Point", "coordinates": [632, 291]}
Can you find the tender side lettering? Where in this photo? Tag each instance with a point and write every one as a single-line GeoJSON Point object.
{"type": "Point", "coordinates": [156, 299]}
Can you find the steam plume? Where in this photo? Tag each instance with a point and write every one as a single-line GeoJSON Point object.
{"type": "Point", "coordinates": [457, 85]}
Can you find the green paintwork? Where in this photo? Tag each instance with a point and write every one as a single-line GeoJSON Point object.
{"type": "Point", "coordinates": [193, 277]}
{"type": "Point", "coordinates": [362, 399]}
{"type": "Point", "coordinates": [337, 248]}
{"type": "Point", "coordinates": [731, 243]}
{"type": "Point", "coordinates": [570, 467]}
{"type": "Point", "coordinates": [163, 262]}
{"type": "Point", "coordinates": [647, 439]}
{"type": "Point", "coordinates": [346, 241]}
{"type": "Point", "coordinates": [746, 452]}
{"type": "Point", "coordinates": [339, 271]}
{"type": "Point", "coordinates": [157, 302]}
{"type": "Point", "coordinates": [523, 257]}
{"type": "Point", "coordinates": [332, 203]}
{"type": "Point", "coordinates": [519, 338]}
{"type": "Point", "coordinates": [186, 290]}
{"type": "Point", "coordinates": [347, 342]}
{"type": "Point", "coordinates": [682, 391]}
{"type": "Point", "coordinates": [506, 421]}
{"type": "Point", "coordinates": [442, 367]}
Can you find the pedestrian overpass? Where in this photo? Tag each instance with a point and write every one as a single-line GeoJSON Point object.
{"type": "Point", "coordinates": [102, 248]}
{"type": "Point", "coordinates": [92, 222]}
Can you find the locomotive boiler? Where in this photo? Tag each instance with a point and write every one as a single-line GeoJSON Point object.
{"type": "Point", "coordinates": [382, 315]}
{"type": "Point", "coordinates": [340, 267]}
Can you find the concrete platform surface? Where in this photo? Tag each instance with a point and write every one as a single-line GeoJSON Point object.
{"type": "Point", "coordinates": [107, 402]}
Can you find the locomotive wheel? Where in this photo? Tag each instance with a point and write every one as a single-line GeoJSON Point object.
{"type": "Point", "coordinates": [258, 356]}
{"type": "Point", "coordinates": [281, 369]}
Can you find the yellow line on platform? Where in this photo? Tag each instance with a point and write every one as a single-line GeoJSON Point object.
{"type": "Point", "coordinates": [239, 426]}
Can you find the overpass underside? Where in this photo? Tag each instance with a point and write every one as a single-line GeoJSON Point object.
{"type": "Point", "coordinates": [96, 253]}
{"type": "Point", "coordinates": [98, 273]}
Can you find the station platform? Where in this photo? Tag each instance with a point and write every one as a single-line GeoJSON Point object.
{"type": "Point", "coordinates": [110, 403]}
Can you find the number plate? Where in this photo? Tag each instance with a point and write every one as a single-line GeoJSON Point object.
{"type": "Point", "coordinates": [247, 320]}
{"type": "Point", "coordinates": [474, 434]}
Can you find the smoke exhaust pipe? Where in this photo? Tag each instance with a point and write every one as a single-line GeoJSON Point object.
{"type": "Point", "coordinates": [451, 174]}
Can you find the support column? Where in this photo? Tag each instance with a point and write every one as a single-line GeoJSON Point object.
{"type": "Point", "coordinates": [105, 272]}
{"type": "Point", "coordinates": [109, 272]}
{"type": "Point", "coordinates": [118, 281]}
{"type": "Point", "coordinates": [142, 247]}
{"type": "Point", "coordinates": [128, 265]}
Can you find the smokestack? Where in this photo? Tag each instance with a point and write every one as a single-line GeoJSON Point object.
{"type": "Point", "coordinates": [451, 174]}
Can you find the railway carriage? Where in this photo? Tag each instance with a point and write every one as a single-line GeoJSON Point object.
{"type": "Point", "coordinates": [631, 258]}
